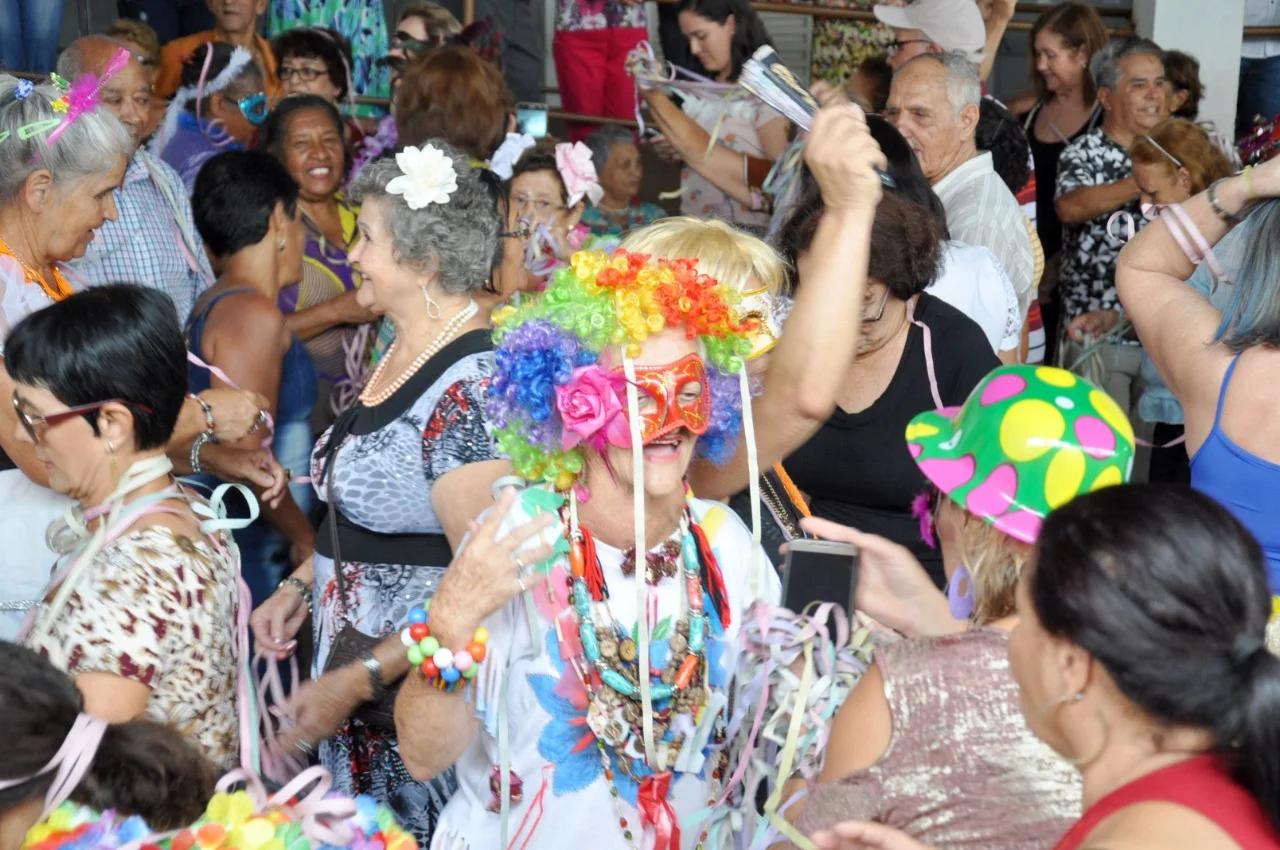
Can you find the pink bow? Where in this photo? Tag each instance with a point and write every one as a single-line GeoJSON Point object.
{"type": "Point", "coordinates": [578, 172]}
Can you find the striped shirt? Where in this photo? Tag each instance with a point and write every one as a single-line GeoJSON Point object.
{"type": "Point", "coordinates": [982, 211]}
{"type": "Point", "coordinates": [154, 242]}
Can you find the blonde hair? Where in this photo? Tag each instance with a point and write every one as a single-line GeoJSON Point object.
{"type": "Point", "coordinates": [994, 561]}
{"type": "Point", "coordinates": [730, 256]}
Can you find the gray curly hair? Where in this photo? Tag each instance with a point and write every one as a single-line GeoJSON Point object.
{"type": "Point", "coordinates": [93, 144]}
{"type": "Point", "coordinates": [602, 141]}
{"type": "Point", "coordinates": [457, 240]}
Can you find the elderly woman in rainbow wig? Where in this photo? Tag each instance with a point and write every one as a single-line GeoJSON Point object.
{"type": "Point", "coordinates": [580, 696]}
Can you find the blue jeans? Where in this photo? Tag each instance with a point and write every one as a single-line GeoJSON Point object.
{"type": "Point", "coordinates": [29, 31]}
{"type": "Point", "coordinates": [1259, 91]}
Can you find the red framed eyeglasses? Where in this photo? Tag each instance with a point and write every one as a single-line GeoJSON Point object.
{"type": "Point", "coordinates": [36, 424]}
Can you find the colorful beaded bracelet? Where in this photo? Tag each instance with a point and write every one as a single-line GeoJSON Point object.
{"type": "Point", "coordinates": [440, 665]}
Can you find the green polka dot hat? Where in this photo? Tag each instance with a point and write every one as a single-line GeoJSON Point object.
{"type": "Point", "coordinates": [1028, 439]}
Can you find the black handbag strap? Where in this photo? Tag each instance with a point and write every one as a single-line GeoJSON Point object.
{"type": "Point", "coordinates": [337, 553]}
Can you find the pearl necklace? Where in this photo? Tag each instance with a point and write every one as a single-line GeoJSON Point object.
{"type": "Point", "coordinates": [369, 398]}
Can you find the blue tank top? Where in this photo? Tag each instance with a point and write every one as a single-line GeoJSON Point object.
{"type": "Point", "coordinates": [297, 393]}
{"type": "Point", "coordinates": [1243, 483]}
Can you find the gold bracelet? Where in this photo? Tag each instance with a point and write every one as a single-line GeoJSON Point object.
{"type": "Point", "coordinates": [1248, 182]}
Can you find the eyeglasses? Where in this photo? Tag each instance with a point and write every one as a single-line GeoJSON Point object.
{"type": "Point", "coordinates": [304, 73]}
{"type": "Point", "coordinates": [254, 108]}
{"type": "Point", "coordinates": [898, 45]}
{"type": "Point", "coordinates": [532, 203]}
{"type": "Point", "coordinates": [884, 302]}
{"type": "Point", "coordinates": [36, 424]}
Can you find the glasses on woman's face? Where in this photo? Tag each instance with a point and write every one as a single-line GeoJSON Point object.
{"type": "Point", "coordinates": [871, 319]}
{"type": "Point", "coordinates": [254, 108]}
{"type": "Point", "coordinates": [36, 424]}
{"type": "Point", "coordinates": [305, 73]}
{"type": "Point", "coordinates": [539, 207]}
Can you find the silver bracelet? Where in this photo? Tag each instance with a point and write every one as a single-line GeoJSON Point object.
{"type": "Point", "coordinates": [1217, 207]}
{"type": "Point", "coordinates": [303, 589]}
{"type": "Point", "coordinates": [196, 446]}
{"type": "Point", "coordinates": [375, 676]}
{"type": "Point", "coordinates": [208, 412]}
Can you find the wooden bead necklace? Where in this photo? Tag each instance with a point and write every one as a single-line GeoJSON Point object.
{"type": "Point", "coordinates": [369, 398]}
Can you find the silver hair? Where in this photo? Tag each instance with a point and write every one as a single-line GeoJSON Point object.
{"type": "Point", "coordinates": [94, 144]}
{"type": "Point", "coordinates": [602, 142]}
{"type": "Point", "coordinates": [1105, 65]}
{"type": "Point", "coordinates": [71, 61]}
{"type": "Point", "coordinates": [962, 83]}
{"type": "Point", "coordinates": [457, 240]}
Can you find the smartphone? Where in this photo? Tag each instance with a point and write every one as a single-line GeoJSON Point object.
{"type": "Point", "coordinates": [820, 571]}
{"type": "Point", "coordinates": [531, 118]}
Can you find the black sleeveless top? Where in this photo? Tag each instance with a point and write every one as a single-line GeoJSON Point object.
{"type": "Point", "coordinates": [1045, 155]}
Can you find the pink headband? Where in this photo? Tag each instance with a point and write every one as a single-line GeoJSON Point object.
{"type": "Point", "coordinates": [72, 761]}
{"type": "Point", "coordinates": [82, 97]}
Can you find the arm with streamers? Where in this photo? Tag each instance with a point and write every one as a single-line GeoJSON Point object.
{"type": "Point", "coordinates": [791, 679]}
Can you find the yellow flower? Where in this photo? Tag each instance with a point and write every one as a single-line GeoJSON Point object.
{"type": "Point", "coordinates": [60, 105]}
{"type": "Point", "coordinates": [230, 809]}
{"type": "Point", "coordinates": [253, 834]}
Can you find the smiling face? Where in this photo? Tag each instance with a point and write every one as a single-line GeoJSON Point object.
{"type": "Point", "coordinates": [385, 282]}
{"type": "Point", "coordinates": [313, 153]}
{"type": "Point", "coordinates": [1060, 65]}
{"type": "Point", "coordinates": [73, 209]}
{"type": "Point", "coordinates": [237, 16]}
{"type": "Point", "coordinates": [622, 174]}
{"type": "Point", "coordinates": [1140, 99]}
{"type": "Point", "coordinates": [667, 457]}
{"type": "Point", "coordinates": [710, 43]}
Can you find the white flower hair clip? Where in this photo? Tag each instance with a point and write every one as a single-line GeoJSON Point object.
{"type": "Point", "coordinates": [427, 177]}
{"type": "Point", "coordinates": [504, 159]}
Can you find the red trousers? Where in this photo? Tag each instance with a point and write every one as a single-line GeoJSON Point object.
{"type": "Point", "coordinates": [592, 74]}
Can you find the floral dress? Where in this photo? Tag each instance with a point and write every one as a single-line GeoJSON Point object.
{"type": "Point", "coordinates": [383, 474]}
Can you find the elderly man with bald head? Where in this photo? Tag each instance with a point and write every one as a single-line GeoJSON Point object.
{"type": "Point", "coordinates": [934, 104]}
{"type": "Point", "coordinates": [154, 242]}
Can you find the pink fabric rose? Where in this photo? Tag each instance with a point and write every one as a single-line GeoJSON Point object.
{"type": "Point", "coordinates": [591, 409]}
{"type": "Point", "coordinates": [578, 172]}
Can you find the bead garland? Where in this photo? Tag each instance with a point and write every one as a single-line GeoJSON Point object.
{"type": "Point", "coordinates": [439, 665]}
{"type": "Point", "coordinates": [607, 664]}
{"type": "Point", "coordinates": [60, 288]}
{"type": "Point", "coordinates": [369, 398]}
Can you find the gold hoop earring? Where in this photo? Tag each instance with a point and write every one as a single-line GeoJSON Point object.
{"type": "Point", "coordinates": [434, 310]}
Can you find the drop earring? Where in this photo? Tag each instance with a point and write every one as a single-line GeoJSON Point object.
{"type": "Point", "coordinates": [961, 601]}
{"type": "Point", "coordinates": [280, 245]}
{"type": "Point", "coordinates": [433, 306]}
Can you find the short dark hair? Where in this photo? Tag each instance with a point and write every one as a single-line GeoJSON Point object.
{"type": "Point", "coordinates": [108, 342]}
{"type": "Point", "coordinates": [749, 33]}
{"type": "Point", "coordinates": [249, 79]}
{"type": "Point", "coordinates": [141, 768]}
{"type": "Point", "coordinates": [906, 241]}
{"type": "Point", "coordinates": [1168, 592]}
{"type": "Point", "coordinates": [539, 159]}
{"type": "Point", "coordinates": [1182, 70]}
{"type": "Point", "coordinates": [876, 66]}
{"type": "Point", "coordinates": [321, 43]}
{"type": "Point", "coordinates": [1002, 134]}
{"type": "Point", "coordinates": [235, 194]}
{"type": "Point", "coordinates": [276, 128]}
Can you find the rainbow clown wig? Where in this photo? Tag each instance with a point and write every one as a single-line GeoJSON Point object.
{"type": "Point", "coordinates": [559, 341]}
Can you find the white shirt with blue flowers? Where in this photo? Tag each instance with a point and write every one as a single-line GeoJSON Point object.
{"type": "Point", "coordinates": [565, 800]}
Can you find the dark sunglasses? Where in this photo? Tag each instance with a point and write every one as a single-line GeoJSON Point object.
{"type": "Point", "coordinates": [37, 424]}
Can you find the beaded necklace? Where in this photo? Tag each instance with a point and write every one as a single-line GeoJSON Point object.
{"type": "Point", "coordinates": [60, 288]}
{"type": "Point", "coordinates": [608, 666]}
{"type": "Point", "coordinates": [371, 398]}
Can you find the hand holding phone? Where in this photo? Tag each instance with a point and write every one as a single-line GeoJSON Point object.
{"type": "Point", "coordinates": [819, 571]}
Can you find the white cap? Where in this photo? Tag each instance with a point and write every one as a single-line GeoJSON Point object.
{"type": "Point", "coordinates": [954, 25]}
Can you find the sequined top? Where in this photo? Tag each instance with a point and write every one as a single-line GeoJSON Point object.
{"type": "Point", "coordinates": [961, 770]}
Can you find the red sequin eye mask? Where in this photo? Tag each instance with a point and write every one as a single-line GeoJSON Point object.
{"type": "Point", "coordinates": [670, 387]}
